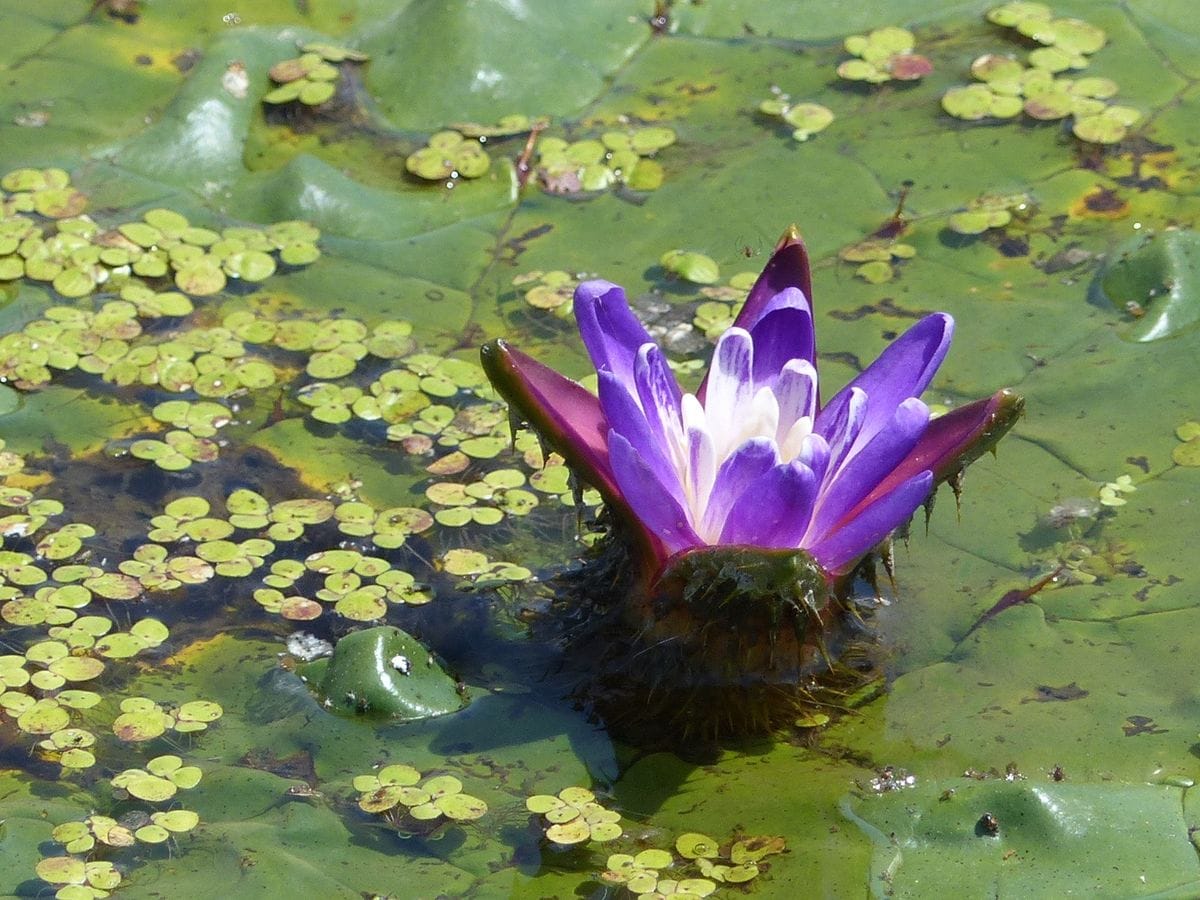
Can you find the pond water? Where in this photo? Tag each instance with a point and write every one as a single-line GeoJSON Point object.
{"type": "Point", "coordinates": [240, 400]}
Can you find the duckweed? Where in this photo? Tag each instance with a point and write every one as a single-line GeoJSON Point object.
{"type": "Point", "coordinates": [449, 155]}
{"type": "Point", "coordinates": [550, 291]}
{"type": "Point", "coordinates": [885, 54]}
{"type": "Point", "coordinates": [310, 78]}
{"type": "Point", "coordinates": [990, 211]}
{"type": "Point", "coordinates": [615, 158]}
{"type": "Point", "coordinates": [1007, 87]}
{"type": "Point", "coordinates": [398, 794]}
{"type": "Point", "coordinates": [805, 119]}
{"type": "Point", "coordinates": [574, 816]}
{"type": "Point", "coordinates": [877, 258]}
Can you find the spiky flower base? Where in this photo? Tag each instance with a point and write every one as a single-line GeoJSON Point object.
{"type": "Point", "coordinates": [728, 641]}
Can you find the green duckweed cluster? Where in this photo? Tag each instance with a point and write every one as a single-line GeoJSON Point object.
{"type": "Point", "coordinates": [991, 211]}
{"type": "Point", "coordinates": [876, 259]}
{"type": "Point", "coordinates": [696, 868]}
{"type": "Point", "coordinates": [449, 155]}
{"type": "Point", "coordinates": [311, 78]}
{"type": "Point", "coordinates": [77, 875]}
{"type": "Point", "coordinates": [409, 802]}
{"type": "Point", "coordinates": [885, 54]}
{"type": "Point", "coordinates": [458, 151]}
{"type": "Point", "coordinates": [1187, 452]}
{"type": "Point", "coordinates": [67, 629]}
{"type": "Point", "coordinates": [690, 265]}
{"type": "Point", "coordinates": [573, 816]}
{"type": "Point", "coordinates": [46, 237]}
{"type": "Point", "coordinates": [717, 312]}
{"type": "Point", "coordinates": [1006, 87]}
{"type": "Point", "coordinates": [805, 119]}
{"type": "Point", "coordinates": [619, 157]}
{"type": "Point", "coordinates": [552, 291]}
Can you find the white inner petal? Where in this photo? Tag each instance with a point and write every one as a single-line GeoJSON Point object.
{"type": "Point", "coordinates": [706, 434]}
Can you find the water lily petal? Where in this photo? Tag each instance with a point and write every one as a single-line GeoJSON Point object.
{"type": "Point", "coordinates": [862, 472]}
{"type": "Point", "coordinates": [701, 467]}
{"type": "Point", "coordinates": [774, 510]}
{"type": "Point", "coordinates": [953, 441]}
{"type": "Point", "coordinates": [610, 331]}
{"type": "Point", "coordinates": [659, 394]}
{"type": "Point", "coordinates": [567, 416]}
{"type": "Point", "coordinates": [844, 426]}
{"type": "Point", "coordinates": [746, 464]}
{"type": "Point", "coordinates": [839, 550]}
{"type": "Point", "coordinates": [796, 391]}
{"type": "Point", "coordinates": [788, 267]}
{"type": "Point", "coordinates": [784, 333]}
{"type": "Point", "coordinates": [626, 418]}
{"type": "Point", "coordinates": [730, 385]}
{"type": "Point", "coordinates": [648, 498]}
{"type": "Point", "coordinates": [903, 370]}
{"type": "Point", "coordinates": [814, 453]}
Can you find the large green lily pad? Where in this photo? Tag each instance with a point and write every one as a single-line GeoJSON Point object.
{"type": "Point", "coordinates": [148, 118]}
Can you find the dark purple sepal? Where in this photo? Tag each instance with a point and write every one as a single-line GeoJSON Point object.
{"type": "Point", "coordinates": [954, 441]}
{"type": "Point", "coordinates": [570, 420]}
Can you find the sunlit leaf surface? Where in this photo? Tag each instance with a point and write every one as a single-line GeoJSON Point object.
{"type": "Point", "coordinates": [247, 257]}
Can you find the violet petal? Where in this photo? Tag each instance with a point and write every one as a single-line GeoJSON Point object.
{"type": "Point", "coordinates": [626, 418]}
{"type": "Point", "coordinates": [743, 466]}
{"type": "Point", "coordinates": [659, 394]}
{"type": "Point", "coordinates": [610, 331]}
{"type": "Point", "coordinates": [649, 498]}
{"type": "Point", "coordinates": [779, 337]}
{"type": "Point", "coordinates": [843, 547]}
{"type": "Point", "coordinates": [730, 386]}
{"type": "Point", "coordinates": [956, 439]}
{"type": "Point", "coordinates": [867, 468]}
{"type": "Point", "coordinates": [774, 510]}
{"type": "Point", "coordinates": [563, 411]}
{"type": "Point", "coordinates": [788, 267]}
{"type": "Point", "coordinates": [904, 369]}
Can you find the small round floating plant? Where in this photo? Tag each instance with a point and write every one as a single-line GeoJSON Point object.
{"type": "Point", "coordinates": [409, 803]}
{"type": "Point", "coordinates": [805, 119]}
{"type": "Point", "coordinates": [1006, 87]}
{"type": "Point", "coordinates": [885, 54]}
{"type": "Point", "coordinates": [743, 512]}
{"type": "Point", "coordinates": [310, 79]}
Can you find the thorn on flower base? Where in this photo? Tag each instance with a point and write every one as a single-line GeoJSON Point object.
{"type": "Point", "coordinates": [741, 512]}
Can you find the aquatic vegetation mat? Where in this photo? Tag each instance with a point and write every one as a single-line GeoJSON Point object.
{"type": "Point", "coordinates": [247, 259]}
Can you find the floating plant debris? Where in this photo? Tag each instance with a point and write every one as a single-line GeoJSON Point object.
{"type": "Point", "coordinates": [805, 119]}
{"type": "Point", "coordinates": [885, 54]}
{"type": "Point", "coordinates": [311, 78]}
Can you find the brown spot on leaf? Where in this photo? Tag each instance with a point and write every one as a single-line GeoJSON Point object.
{"type": "Point", "coordinates": [1135, 725]}
{"type": "Point", "coordinates": [885, 307]}
{"type": "Point", "coordinates": [1047, 693]}
{"type": "Point", "coordinates": [1100, 203]}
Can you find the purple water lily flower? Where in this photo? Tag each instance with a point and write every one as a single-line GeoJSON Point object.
{"type": "Point", "coordinates": [753, 458]}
